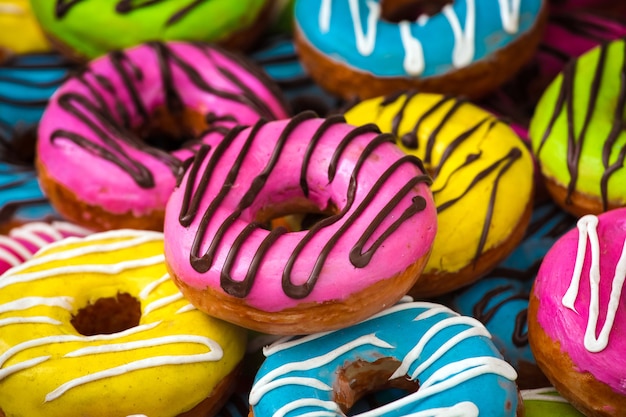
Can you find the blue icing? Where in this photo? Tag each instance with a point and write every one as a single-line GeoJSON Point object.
{"type": "Point", "coordinates": [386, 55]}
{"type": "Point", "coordinates": [26, 84]}
{"type": "Point", "coordinates": [21, 197]}
{"type": "Point", "coordinates": [452, 357]}
{"type": "Point", "coordinates": [277, 56]}
{"type": "Point", "coordinates": [501, 298]}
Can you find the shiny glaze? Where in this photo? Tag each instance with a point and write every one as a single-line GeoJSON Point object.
{"type": "Point", "coordinates": [459, 370]}
{"type": "Point", "coordinates": [16, 16]}
{"type": "Point", "coordinates": [49, 369]}
{"type": "Point", "coordinates": [478, 165]}
{"type": "Point", "coordinates": [90, 125]}
{"type": "Point", "coordinates": [383, 208]}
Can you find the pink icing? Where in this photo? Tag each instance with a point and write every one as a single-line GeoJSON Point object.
{"type": "Point", "coordinates": [339, 278]}
{"type": "Point", "coordinates": [24, 241]}
{"type": "Point", "coordinates": [568, 326]}
{"type": "Point", "coordinates": [200, 77]}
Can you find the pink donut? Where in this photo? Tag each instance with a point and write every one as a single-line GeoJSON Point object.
{"type": "Point", "coordinates": [577, 314]}
{"type": "Point", "coordinates": [362, 257]}
{"type": "Point", "coordinates": [24, 241]}
{"type": "Point", "coordinates": [114, 137]}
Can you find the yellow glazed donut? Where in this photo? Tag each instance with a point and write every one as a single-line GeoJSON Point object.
{"type": "Point", "coordinates": [95, 327]}
{"type": "Point", "coordinates": [483, 181]}
{"type": "Point", "coordinates": [20, 32]}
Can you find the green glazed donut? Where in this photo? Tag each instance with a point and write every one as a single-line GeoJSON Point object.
{"type": "Point", "coordinates": [544, 402]}
{"type": "Point", "coordinates": [578, 132]}
{"type": "Point", "coordinates": [85, 29]}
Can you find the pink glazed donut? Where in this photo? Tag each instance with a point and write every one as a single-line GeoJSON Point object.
{"type": "Point", "coordinates": [378, 225]}
{"type": "Point", "coordinates": [577, 315]}
{"type": "Point", "coordinates": [114, 137]}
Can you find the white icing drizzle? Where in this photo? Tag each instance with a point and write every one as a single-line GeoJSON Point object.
{"type": "Point", "coordinates": [29, 320]}
{"type": "Point", "coordinates": [414, 61]}
{"type": "Point", "coordinates": [542, 394]}
{"type": "Point", "coordinates": [162, 302]}
{"type": "Point", "coordinates": [185, 309]}
{"type": "Point", "coordinates": [587, 230]}
{"type": "Point", "coordinates": [5, 372]}
{"type": "Point", "coordinates": [147, 290]}
{"type": "Point", "coordinates": [29, 302]}
{"type": "Point", "coordinates": [332, 407]}
{"type": "Point", "coordinates": [462, 409]}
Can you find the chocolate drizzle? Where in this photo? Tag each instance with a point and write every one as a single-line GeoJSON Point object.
{"type": "Point", "coordinates": [112, 124]}
{"type": "Point", "coordinates": [576, 141]}
{"type": "Point", "coordinates": [359, 255]}
{"type": "Point", "coordinates": [484, 314]}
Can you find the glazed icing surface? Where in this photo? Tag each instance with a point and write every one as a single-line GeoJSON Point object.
{"type": "Point", "coordinates": [165, 365]}
{"type": "Point", "coordinates": [542, 402]}
{"type": "Point", "coordinates": [580, 120]}
{"type": "Point", "coordinates": [450, 355]}
{"type": "Point", "coordinates": [479, 167]}
{"type": "Point", "coordinates": [384, 211]}
{"type": "Point", "coordinates": [95, 27]}
{"type": "Point", "coordinates": [500, 300]}
{"type": "Point", "coordinates": [89, 126]}
{"type": "Point", "coordinates": [463, 32]}
{"type": "Point", "coordinates": [581, 302]}
{"type": "Point", "coordinates": [16, 16]}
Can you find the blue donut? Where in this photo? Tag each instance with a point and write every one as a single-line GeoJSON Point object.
{"type": "Point", "coordinates": [26, 83]}
{"type": "Point", "coordinates": [277, 56]}
{"type": "Point", "coordinates": [458, 370]}
{"type": "Point", "coordinates": [500, 300]}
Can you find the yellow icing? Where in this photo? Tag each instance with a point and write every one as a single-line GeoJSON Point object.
{"type": "Point", "coordinates": [460, 225]}
{"type": "Point", "coordinates": [81, 278]}
{"type": "Point", "coordinates": [19, 29]}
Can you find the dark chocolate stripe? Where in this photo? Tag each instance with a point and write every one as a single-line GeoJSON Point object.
{"type": "Point", "coordinates": [63, 7]}
{"type": "Point", "coordinates": [485, 315]}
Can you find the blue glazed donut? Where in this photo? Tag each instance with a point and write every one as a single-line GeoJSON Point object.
{"type": "Point", "coordinates": [458, 370]}
{"type": "Point", "coordinates": [359, 35]}
{"type": "Point", "coordinates": [500, 300]}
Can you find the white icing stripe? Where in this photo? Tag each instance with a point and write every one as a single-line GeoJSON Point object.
{"type": "Point", "coordinates": [464, 38]}
{"type": "Point", "coordinates": [14, 350]}
{"type": "Point", "coordinates": [9, 370]}
{"type": "Point", "coordinates": [587, 230]}
{"type": "Point", "coordinates": [29, 320]}
{"type": "Point", "coordinates": [15, 247]}
{"type": "Point", "coordinates": [162, 302]}
{"type": "Point", "coordinates": [258, 390]}
{"type": "Point", "coordinates": [156, 361]}
{"type": "Point", "coordinates": [142, 344]}
{"type": "Point", "coordinates": [44, 258]}
{"type": "Point", "coordinates": [332, 407]}
{"type": "Point", "coordinates": [8, 257]}
{"type": "Point", "coordinates": [111, 234]}
{"type": "Point", "coordinates": [152, 286]}
{"type": "Point", "coordinates": [543, 394]}
{"type": "Point", "coordinates": [29, 302]}
{"type": "Point", "coordinates": [32, 235]}
{"type": "Point", "coordinates": [185, 309]}
{"type": "Point", "coordinates": [105, 269]}
{"type": "Point", "coordinates": [70, 228]}
{"type": "Point", "coordinates": [462, 409]}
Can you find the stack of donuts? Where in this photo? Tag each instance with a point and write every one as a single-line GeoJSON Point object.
{"type": "Point", "coordinates": [312, 208]}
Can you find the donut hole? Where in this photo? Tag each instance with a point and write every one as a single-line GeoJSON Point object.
{"type": "Point", "coordinates": [396, 11]}
{"type": "Point", "coordinates": [170, 131]}
{"type": "Point", "coordinates": [294, 215]}
{"type": "Point", "coordinates": [360, 381]}
{"type": "Point", "coordinates": [108, 315]}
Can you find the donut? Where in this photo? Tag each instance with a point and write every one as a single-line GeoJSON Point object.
{"type": "Point", "coordinates": [277, 56]}
{"type": "Point", "coordinates": [24, 241]}
{"type": "Point", "coordinates": [500, 299]}
{"type": "Point", "coordinates": [21, 33]}
{"type": "Point", "coordinates": [542, 402]}
{"type": "Point", "coordinates": [377, 227]}
{"type": "Point", "coordinates": [576, 323]}
{"type": "Point", "coordinates": [479, 166]}
{"type": "Point", "coordinates": [579, 119]}
{"type": "Point", "coordinates": [114, 137]}
{"type": "Point", "coordinates": [84, 30]}
{"type": "Point", "coordinates": [464, 48]}
{"type": "Point", "coordinates": [95, 327]}
{"type": "Point", "coordinates": [411, 345]}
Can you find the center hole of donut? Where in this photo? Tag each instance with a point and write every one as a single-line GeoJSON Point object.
{"type": "Point", "coordinates": [170, 131]}
{"type": "Point", "coordinates": [108, 315]}
{"type": "Point", "coordinates": [294, 215]}
{"type": "Point", "coordinates": [362, 385]}
{"type": "Point", "coordinates": [399, 10]}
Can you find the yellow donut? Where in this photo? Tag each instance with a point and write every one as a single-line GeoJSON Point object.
{"type": "Point", "coordinates": [482, 181]}
{"type": "Point", "coordinates": [166, 363]}
{"type": "Point", "coordinates": [19, 29]}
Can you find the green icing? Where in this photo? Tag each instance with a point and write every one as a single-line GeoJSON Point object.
{"type": "Point", "coordinates": [554, 151]}
{"type": "Point", "coordinates": [551, 404]}
{"type": "Point", "coordinates": [94, 27]}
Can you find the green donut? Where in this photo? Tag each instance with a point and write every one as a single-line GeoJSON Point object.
{"type": "Point", "coordinates": [90, 28]}
{"type": "Point", "coordinates": [543, 402]}
{"type": "Point", "coordinates": [578, 131]}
